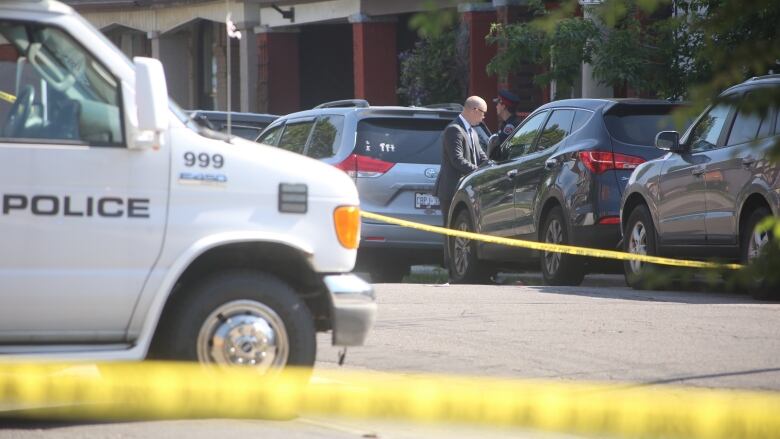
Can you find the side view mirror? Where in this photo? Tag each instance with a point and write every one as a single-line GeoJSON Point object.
{"type": "Point", "coordinates": [668, 140]}
{"type": "Point", "coordinates": [493, 144]}
{"type": "Point", "coordinates": [151, 97]}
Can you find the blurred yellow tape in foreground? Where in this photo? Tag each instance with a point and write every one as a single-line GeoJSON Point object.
{"type": "Point", "coordinates": [8, 97]}
{"type": "Point", "coordinates": [177, 390]}
{"type": "Point", "coordinates": [558, 248]}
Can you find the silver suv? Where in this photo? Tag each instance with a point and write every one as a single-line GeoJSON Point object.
{"type": "Point", "coordinates": [705, 196]}
{"type": "Point", "coordinates": [393, 154]}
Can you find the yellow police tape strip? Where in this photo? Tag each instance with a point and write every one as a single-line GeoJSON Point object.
{"type": "Point", "coordinates": [558, 248]}
{"type": "Point", "coordinates": [177, 390]}
{"type": "Point", "coordinates": [7, 97]}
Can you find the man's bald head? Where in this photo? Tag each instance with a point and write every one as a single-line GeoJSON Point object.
{"type": "Point", "coordinates": [474, 110]}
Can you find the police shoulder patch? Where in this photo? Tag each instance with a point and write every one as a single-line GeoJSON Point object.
{"type": "Point", "coordinates": [508, 128]}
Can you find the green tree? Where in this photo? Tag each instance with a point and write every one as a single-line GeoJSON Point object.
{"type": "Point", "coordinates": [434, 71]}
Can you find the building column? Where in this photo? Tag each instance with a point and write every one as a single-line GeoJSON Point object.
{"type": "Point", "coordinates": [248, 68]}
{"type": "Point", "coordinates": [478, 17]}
{"type": "Point", "coordinates": [126, 43]}
{"type": "Point", "coordinates": [279, 83]}
{"type": "Point", "coordinates": [375, 60]}
{"type": "Point", "coordinates": [591, 88]}
{"type": "Point", "coordinates": [154, 36]}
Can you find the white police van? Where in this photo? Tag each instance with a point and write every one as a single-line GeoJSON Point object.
{"type": "Point", "coordinates": [127, 231]}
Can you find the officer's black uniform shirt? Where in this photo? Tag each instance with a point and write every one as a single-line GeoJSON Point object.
{"type": "Point", "coordinates": [504, 131]}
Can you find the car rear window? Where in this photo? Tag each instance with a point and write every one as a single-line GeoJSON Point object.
{"type": "Point", "coordinates": [639, 125]}
{"type": "Point", "coordinates": [401, 140]}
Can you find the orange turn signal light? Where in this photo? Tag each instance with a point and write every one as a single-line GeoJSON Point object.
{"type": "Point", "coordinates": [347, 221]}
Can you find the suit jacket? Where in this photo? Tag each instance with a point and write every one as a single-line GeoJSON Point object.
{"type": "Point", "coordinates": [457, 159]}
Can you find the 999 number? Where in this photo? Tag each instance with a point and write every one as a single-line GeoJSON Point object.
{"type": "Point", "coordinates": [203, 160]}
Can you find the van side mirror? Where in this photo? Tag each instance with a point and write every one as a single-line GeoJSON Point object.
{"type": "Point", "coordinates": [151, 97]}
{"type": "Point", "coordinates": [493, 144]}
{"type": "Point", "coordinates": [668, 140]}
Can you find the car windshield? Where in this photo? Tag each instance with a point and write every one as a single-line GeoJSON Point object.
{"type": "Point", "coordinates": [401, 140]}
{"type": "Point", "coordinates": [638, 126]}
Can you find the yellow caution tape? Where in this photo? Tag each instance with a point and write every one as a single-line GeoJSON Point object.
{"type": "Point", "coordinates": [7, 97]}
{"type": "Point", "coordinates": [183, 390]}
{"type": "Point", "coordinates": [558, 248]}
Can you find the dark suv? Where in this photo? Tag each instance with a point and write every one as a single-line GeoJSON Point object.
{"type": "Point", "coordinates": [559, 179]}
{"type": "Point", "coordinates": [393, 154]}
{"type": "Point", "coordinates": [705, 195]}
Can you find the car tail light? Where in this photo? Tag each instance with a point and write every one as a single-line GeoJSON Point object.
{"type": "Point", "coordinates": [361, 166]}
{"type": "Point", "coordinates": [609, 220]}
{"type": "Point", "coordinates": [600, 161]}
{"type": "Point", "coordinates": [347, 221]}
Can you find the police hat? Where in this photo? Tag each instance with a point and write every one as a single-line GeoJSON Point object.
{"type": "Point", "coordinates": [507, 98]}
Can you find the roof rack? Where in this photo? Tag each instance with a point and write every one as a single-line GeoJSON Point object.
{"type": "Point", "coordinates": [345, 103]}
{"type": "Point", "coordinates": [776, 75]}
{"type": "Point", "coordinates": [445, 106]}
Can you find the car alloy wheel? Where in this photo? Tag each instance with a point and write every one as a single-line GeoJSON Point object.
{"type": "Point", "coordinates": [461, 251]}
{"type": "Point", "coordinates": [554, 235]}
{"type": "Point", "coordinates": [637, 244]}
{"type": "Point", "coordinates": [758, 239]}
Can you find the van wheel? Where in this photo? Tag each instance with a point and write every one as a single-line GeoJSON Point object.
{"type": "Point", "coordinates": [244, 318]}
{"type": "Point", "coordinates": [639, 238]}
{"type": "Point", "coordinates": [465, 267]}
{"type": "Point", "coordinates": [559, 268]}
{"type": "Point", "coordinates": [752, 243]}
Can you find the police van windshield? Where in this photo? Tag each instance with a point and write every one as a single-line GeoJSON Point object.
{"type": "Point", "coordinates": [54, 89]}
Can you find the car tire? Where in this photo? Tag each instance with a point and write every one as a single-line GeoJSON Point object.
{"type": "Point", "coordinates": [751, 244]}
{"type": "Point", "coordinates": [559, 268]}
{"type": "Point", "coordinates": [246, 310]}
{"type": "Point", "coordinates": [464, 265]}
{"type": "Point", "coordinates": [639, 237]}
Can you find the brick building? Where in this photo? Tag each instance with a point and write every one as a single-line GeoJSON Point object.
{"type": "Point", "coordinates": [294, 54]}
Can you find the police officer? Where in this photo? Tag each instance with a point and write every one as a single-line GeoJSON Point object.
{"type": "Point", "coordinates": [506, 106]}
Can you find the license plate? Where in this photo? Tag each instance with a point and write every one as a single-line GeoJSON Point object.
{"type": "Point", "coordinates": [424, 200]}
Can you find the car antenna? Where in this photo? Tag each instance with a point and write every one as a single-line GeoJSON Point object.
{"type": "Point", "coordinates": [231, 33]}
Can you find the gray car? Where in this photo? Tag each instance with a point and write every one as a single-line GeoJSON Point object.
{"type": "Point", "coordinates": [705, 196]}
{"type": "Point", "coordinates": [393, 154]}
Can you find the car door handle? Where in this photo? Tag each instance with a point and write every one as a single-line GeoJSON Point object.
{"type": "Point", "coordinates": [697, 170]}
{"type": "Point", "coordinates": [512, 173]}
{"type": "Point", "coordinates": [551, 163]}
{"type": "Point", "coordinates": [748, 161]}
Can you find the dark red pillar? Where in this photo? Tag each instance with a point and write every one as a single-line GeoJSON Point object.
{"type": "Point", "coordinates": [279, 82]}
{"type": "Point", "coordinates": [478, 18]}
{"type": "Point", "coordinates": [375, 61]}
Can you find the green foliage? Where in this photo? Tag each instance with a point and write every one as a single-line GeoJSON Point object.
{"type": "Point", "coordinates": [433, 72]}
{"type": "Point", "coordinates": [434, 20]}
{"type": "Point", "coordinates": [622, 49]}
{"type": "Point", "coordinates": [563, 49]}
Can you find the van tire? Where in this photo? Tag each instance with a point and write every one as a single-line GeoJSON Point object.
{"type": "Point", "coordinates": [246, 299]}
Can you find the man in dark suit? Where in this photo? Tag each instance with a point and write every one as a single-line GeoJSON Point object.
{"type": "Point", "coordinates": [460, 154]}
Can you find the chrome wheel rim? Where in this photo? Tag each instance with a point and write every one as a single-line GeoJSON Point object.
{"type": "Point", "coordinates": [244, 333]}
{"type": "Point", "coordinates": [461, 251]}
{"type": "Point", "coordinates": [637, 244]}
{"type": "Point", "coordinates": [758, 240]}
{"type": "Point", "coordinates": [553, 235]}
